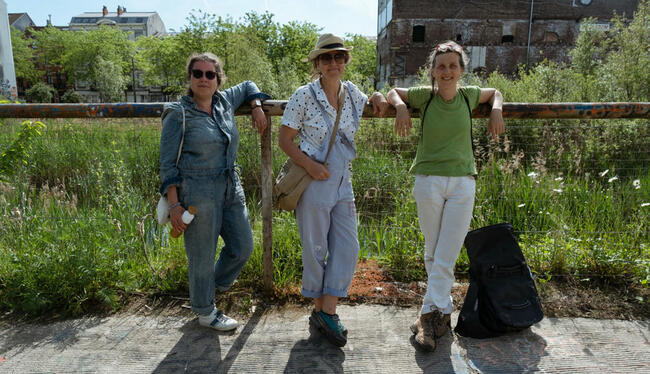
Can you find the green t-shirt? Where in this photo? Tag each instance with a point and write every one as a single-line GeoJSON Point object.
{"type": "Point", "coordinates": [445, 145]}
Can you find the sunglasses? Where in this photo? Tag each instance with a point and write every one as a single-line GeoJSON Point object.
{"type": "Point", "coordinates": [198, 74]}
{"type": "Point", "coordinates": [327, 58]}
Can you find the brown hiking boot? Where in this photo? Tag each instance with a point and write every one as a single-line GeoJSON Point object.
{"type": "Point", "coordinates": [423, 330]}
{"type": "Point", "coordinates": [440, 323]}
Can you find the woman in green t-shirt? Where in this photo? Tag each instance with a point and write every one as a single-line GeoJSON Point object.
{"type": "Point", "coordinates": [444, 175]}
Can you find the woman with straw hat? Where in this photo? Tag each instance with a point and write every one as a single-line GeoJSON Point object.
{"type": "Point", "coordinates": [326, 213]}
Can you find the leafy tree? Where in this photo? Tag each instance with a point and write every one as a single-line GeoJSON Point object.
{"type": "Point", "coordinates": [162, 62]}
{"type": "Point", "coordinates": [40, 93]}
{"type": "Point", "coordinates": [108, 79]}
{"type": "Point", "coordinates": [24, 57]}
{"type": "Point", "coordinates": [82, 53]}
{"type": "Point", "coordinates": [361, 68]}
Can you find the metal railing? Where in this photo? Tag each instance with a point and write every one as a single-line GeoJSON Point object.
{"type": "Point", "coordinates": [603, 110]}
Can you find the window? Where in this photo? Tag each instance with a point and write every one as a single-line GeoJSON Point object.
{"type": "Point", "coordinates": [418, 33]}
{"type": "Point", "coordinates": [507, 39]}
{"type": "Point", "coordinates": [459, 38]}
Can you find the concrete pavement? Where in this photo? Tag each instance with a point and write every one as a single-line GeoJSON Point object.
{"type": "Point", "coordinates": [279, 341]}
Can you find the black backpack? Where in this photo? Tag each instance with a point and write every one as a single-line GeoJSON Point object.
{"type": "Point", "coordinates": [502, 296]}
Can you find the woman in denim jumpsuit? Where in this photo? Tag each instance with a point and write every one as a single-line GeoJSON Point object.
{"type": "Point", "coordinates": [206, 178]}
{"type": "Point", "coordinates": [326, 213]}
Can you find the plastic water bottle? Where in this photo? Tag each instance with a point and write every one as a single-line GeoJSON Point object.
{"type": "Point", "coordinates": [187, 217]}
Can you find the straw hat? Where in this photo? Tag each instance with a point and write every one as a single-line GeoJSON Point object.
{"type": "Point", "coordinates": [327, 43]}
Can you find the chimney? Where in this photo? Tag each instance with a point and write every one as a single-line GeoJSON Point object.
{"type": "Point", "coordinates": [119, 10]}
{"type": "Point", "coordinates": [104, 11]}
{"type": "Point", "coordinates": [49, 20]}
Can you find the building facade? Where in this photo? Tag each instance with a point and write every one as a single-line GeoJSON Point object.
{"type": "Point", "coordinates": [497, 34]}
{"type": "Point", "coordinates": [138, 24]}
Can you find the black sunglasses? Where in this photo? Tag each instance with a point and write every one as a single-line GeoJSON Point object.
{"type": "Point", "coordinates": [327, 58]}
{"type": "Point", "coordinates": [198, 74]}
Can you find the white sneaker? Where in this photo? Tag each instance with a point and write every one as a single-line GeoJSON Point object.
{"type": "Point", "coordinates": [218, 321]}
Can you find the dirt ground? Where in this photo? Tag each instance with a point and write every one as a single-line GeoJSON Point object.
{"type": "Point", "coordinates": [561, 297]}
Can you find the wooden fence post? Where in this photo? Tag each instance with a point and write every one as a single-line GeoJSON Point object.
{"type": "Point", "coordinates": [267, 205]}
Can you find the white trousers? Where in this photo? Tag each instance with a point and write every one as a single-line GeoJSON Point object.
{"type": "Point", "coordinates": [445, 206]}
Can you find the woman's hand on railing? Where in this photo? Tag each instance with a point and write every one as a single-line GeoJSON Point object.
{"type": "Point", "coordinates": [258, 118]}
{"type": "Point", "coordinates": [379, 104]}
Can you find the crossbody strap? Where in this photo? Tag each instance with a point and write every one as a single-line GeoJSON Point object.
{"type": "Point", "coordinates": [339, 109]}
{"type": "Point", "coordinates": [180, 147]}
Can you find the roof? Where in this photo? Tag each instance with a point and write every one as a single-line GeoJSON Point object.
{"type": "Point", "coordinates": [114, 14]}
{"type": "Point", "coordinates": [13, 17]}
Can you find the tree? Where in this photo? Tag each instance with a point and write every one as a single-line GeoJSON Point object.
{"type": "Point", "coordinates": [162, 62]}
{"type": "Point", "coordinates": [362, 66]}
{"type": "Point", "coordinates": [82, 53]}
{"type": "Point", "coordinates": [108, 80]}
{"type": "Point", "coordinates": [24, 57]}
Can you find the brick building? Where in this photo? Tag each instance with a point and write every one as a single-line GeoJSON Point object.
{"type": "Point", "coordinates": [497, 34]}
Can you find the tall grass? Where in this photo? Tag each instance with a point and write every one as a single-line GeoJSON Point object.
{"type": "Point", "coordinates": [78, 231]}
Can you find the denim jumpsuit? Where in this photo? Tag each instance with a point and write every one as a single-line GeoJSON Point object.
{"type": "Point", "coordinates": [206, 178]}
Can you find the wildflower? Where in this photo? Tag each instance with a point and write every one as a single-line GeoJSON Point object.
{"type": "Point", "coordinates": [636, 183]}
{"type": "Point", "coordinates": [610, 180]}
{"type": "Point", "coordinates": [532, 174]}
{"type": "Point", "coordinates": [557, 190]}
{"type": "Point", "coordinates": [558, 179]}
{"type": "Point", "coordinates": [521, 205]}
{"type": "Point", "coordinates": [645, 205]}
{"type": "Point", "coordinates": [602, 174]}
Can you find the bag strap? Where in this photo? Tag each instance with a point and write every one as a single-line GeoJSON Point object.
{"type": "Point", "coordinates": [424, 113]}
{"type": "Point", "coordinates": [469, 109]}
{"type": "Point", "coordinates": [180, 147]}
{"type": "Point", "coordinates": [339, 109]}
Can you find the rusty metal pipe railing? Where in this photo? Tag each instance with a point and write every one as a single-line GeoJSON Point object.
{"type": "Point", "coordinates": [276, 108]}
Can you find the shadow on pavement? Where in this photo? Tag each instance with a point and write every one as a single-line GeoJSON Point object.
{"type": "Point", "coordinates": [315, 354]}
{"type": "Point", "coordinates": [199, 349]}
{"type": "Point", "coordinates": [512, 353]}
{"type": "Point", "coordinates": [438, 361]}
{"type": "Point", "coordinates": [24, 336]}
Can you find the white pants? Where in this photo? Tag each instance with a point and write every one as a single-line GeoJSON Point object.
{"type": "Point", "coordinates": [445, 207]}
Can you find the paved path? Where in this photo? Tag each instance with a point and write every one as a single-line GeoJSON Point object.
{"type": "Point", "coordinates": [279, 341]}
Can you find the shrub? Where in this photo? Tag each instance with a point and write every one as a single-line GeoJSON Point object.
{"type": "Point", "coordinates": [40, 93]}
{"type": "Point", "coordinates": [71, 96]}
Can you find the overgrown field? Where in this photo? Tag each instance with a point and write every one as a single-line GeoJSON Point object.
{"type": "Point", "coordinates": [78, 232]}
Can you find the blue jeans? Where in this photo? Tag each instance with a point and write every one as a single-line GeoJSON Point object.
{"type": "Point", "coordinates": [221, 211]}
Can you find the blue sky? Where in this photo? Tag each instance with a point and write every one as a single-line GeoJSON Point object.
{"type": "Point", "coordinates": [336, 16]}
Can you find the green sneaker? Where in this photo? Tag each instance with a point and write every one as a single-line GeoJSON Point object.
{"type": "Point", "coordinates": [330, 326]}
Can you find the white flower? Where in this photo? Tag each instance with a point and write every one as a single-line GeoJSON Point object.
{"type": "Point", "coordinates": [558, 179]}
{"type": "Point", "coordinates": [610, 180]}
{"type": "Point", "coordinates": [532, 174]}
{"type": "Point", "coordinates": [637, 184]}
{"type": "Point", "coordinates": [521, 205]}
{"type": "Point", "coordinates": [602, 174]}
{"type": "Point", "coordinates": [558, 190]}
{"type": "Point", "coordinates": [645, 205]}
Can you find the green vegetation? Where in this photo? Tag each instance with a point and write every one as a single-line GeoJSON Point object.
{"type": "Point", "coordinates": [77, 196]}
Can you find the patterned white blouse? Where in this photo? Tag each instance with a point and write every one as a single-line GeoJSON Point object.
{"type": "Point", "coordinates": [302, 113]}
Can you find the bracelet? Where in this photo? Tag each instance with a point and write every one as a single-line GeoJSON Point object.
{"type": "Point", "coordinates": [174, 205]}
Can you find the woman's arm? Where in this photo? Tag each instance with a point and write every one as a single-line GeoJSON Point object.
{"type": "Point", "coordinates": [496, 125]}
{"type": "Point", "coordinates": [317, 170]}
{"type": "Point", "coordinates": [397, 97]}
